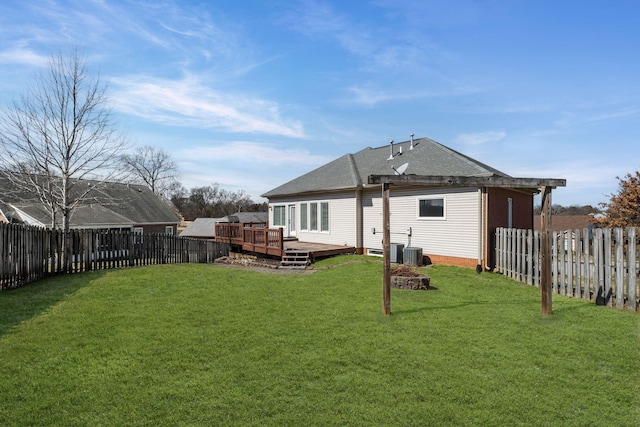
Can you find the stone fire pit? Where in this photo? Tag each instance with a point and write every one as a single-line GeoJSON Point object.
{"type": "Point", "coordinates": [405, 277]}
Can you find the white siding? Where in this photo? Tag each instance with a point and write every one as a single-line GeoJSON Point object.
{"type": "Point", "coordinates": [455, 236]}
{"type": "Point", "coordinates": [342, 218]}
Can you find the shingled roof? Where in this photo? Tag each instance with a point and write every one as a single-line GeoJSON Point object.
{"type": "Point", "coordinates": [108, 203]}
{"type": "Point", "coordinates": [427, 157]}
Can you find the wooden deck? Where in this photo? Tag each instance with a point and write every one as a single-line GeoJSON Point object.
{"type": "Point", "coordinates": [257, 238]}
{"type": "Point", "coordinates": [318, 250]}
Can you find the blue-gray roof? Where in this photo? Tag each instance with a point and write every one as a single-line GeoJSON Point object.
{"type": "Point", "coordinates": [427, 157]}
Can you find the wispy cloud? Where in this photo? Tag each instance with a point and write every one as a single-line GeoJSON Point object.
{"type": "Point", "coordinates": [480, 138]}
{"type": "Point", "coordinates": [266, 155]}
{"type": "Point", "coordinates": [21, 54]}
{"type": "Point", "coordinates": [187, 102]}
{"type": "Point", "coordinates": [572, 119]}
{"type": "Point", "coordinates": [377, 45]}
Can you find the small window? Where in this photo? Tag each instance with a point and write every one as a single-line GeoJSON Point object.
{"type": "Point", "coordinates": [168, 230]}
{"type": "Point", "coordinates": [304, 219]}
{"type": "Point", "coordinates": [313, 216]}
{"type": "Point", "coordinates": [279, 216]}
{"type": "Point", "coordinates": [431, 208]}
{"type": "Point", "coordinates": [138, 232]}
{"type": "Point", "coordinates": [324, 216]}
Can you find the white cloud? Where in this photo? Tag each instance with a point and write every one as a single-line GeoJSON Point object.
{"type": "Point", "coordinates": [571, 119]}
{"type": "Point", "coordinates": [253, 153]}
{"type": "Point", "coordinates": [480, 138]}
{"type": "Point", "coordinates": [188, 102]}
{"type": "Point", "coordinates": [24, 56]}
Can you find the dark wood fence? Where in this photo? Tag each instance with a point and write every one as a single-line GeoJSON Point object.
{"type": "Point", "coordinates": [599, 264]}
{"type": "Point", "coordinates": [30, 253]}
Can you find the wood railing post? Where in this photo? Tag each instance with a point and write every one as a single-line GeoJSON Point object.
{"type": "Point", "coordinates": [386, 251]}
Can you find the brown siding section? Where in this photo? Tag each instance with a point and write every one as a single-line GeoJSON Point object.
{"type": "Point", "coordinates": [450, 260]}
{"type": "Point", "coordinates": [498, 216]}
{"type": "Point", "coordinates": [156, 228]}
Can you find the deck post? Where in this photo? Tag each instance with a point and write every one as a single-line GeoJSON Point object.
{"type": "Point", "coordinates": [545, 250]}
{"type": "Point", "coordinates": [386, 251]}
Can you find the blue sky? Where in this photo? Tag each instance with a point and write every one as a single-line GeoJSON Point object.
{"type": "Point", "coordinates": [250, 94]}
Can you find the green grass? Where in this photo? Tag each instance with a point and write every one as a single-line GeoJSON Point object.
{"type": "Point", "coordinates": [210, 345]}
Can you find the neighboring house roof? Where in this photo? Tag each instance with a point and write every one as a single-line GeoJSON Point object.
{"type": "Point", "coordinates": [566, 222]}
{"type": "Point", "coordinates": [107, 204]}
{"type": "Point", "coordinates": [246, 217]}
{"type": "Point", "coordinates": [205, 227]}
{"type": "Point", "coordinates": [201, 227]}
{"type": "Point", "coordinates": [427, 157]}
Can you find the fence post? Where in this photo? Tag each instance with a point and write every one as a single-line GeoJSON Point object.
{"type": "Point", "coordinates": [619, 266]}
{"type": "Point", "coordinates": [632, 269]}
{"type": "Point", "coordinates": [586, 289]}
{"type": "Point", "coordinates": [578, 263]}
{"type": "Point", "coordinates": [608, 274]}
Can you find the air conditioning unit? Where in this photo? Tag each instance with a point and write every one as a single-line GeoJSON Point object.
{"type": "Point", "coordinates": [413, 256]}
{"type": "Point", "coordinates": [396, 252]}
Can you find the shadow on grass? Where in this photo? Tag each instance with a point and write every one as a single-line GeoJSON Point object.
{"type": "Point", "coordinates": [29, 301]}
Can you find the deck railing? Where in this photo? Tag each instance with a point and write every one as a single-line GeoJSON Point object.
{"type": "Point", "coordinates": [253, 237]}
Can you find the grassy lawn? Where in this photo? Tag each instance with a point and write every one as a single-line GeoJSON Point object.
{"type": "Point", "coordinates": [214, 345]}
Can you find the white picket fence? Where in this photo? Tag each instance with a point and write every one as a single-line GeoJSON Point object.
{"type": "Point", "coordinates": [597, 264]}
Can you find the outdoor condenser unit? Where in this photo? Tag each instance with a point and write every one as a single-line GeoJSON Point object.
{"type": "Point", "coordinates": [396, 252]}
{"type": "Point", "coordinates": [413, 256]}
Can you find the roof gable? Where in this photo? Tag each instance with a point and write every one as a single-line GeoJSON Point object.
{"type": "Point", "coordinates": [423, 157]}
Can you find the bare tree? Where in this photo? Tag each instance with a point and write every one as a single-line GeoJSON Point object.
{"type": "Point", "coordinates": [59, 133]}
{"type": "Point", "coordinates": [154, 168]}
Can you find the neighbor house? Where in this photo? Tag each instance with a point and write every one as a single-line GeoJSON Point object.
{"type": "Point", "coordinates": [204, 228]}
{"type": "Point", "coordinates": [453, 225]}
{"type": "Point", "coordinates": [108, 205]}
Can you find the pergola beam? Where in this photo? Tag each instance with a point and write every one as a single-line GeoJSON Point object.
{"type": "Point", "coordinates": [467, 181]}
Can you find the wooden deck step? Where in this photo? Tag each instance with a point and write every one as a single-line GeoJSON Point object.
{"type": "Point", "coordinates": [293, 258]}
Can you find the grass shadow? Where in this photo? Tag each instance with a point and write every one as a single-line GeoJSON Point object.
{"type": "Point", "coordinates": [29, 301]}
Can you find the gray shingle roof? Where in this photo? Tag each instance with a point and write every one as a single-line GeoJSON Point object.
{"type": "Point", "coordinates": [109, 203]}
{"type": "Point", "coordinates": [201, 227]}
{"type": "Point", "coordinates": [428, 157]}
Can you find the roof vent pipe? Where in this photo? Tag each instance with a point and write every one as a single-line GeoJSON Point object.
{"type": "Point", "coordinates": [391, 147]}
{"type": "Point", "coordinates": [411, 148]}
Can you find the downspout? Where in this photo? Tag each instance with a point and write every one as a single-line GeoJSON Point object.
{"type": "Point", "coordinates": [359, 230]}
{"type": "Point", "coordinates": [486, 245]}
{"type": "Point", "coordinates": [480, 231]}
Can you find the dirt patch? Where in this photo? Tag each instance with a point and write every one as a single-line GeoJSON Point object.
{"type": "Point", "coordinates": [405, 271]}
{"type": "Point", "coordinates": [261, 265]}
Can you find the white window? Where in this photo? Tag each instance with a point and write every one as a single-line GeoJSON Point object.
{"type": "Point", "coordinates": [304, 218]}
{"type": "Point", "coordinates": [168, 229]}
{"type": "Point", "coordinates": [324, 216]}
{"type": "Point", "coordinates": [138, 232]}
{"type": "Point", "coordinates": [431, 208]}
{"type": "Point", "coordinates": [279, 216]}
{"type": "Point", "coordinates": [313, 216]}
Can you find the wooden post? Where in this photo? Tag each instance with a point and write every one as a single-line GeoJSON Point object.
{"type": "Point", "coordinates": [545, 250]}
{"type": "Point", "coordinates": [386, 252]}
